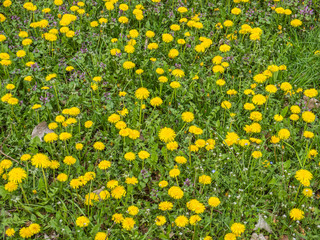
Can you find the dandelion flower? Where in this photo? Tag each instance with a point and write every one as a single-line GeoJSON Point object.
{"type": "Point", "coordinates": [131, 180]}
{"type": "Point", "coordinates": [235, 11]}
{"type": "Point", "coordinates": [118, 192]}
{"type": "Point", "coordinates": [214, 201]}
{"type": "Point", "coordinates": [174, 172]}
{"type": "Point", "coordinates": [237, 229]}
{"type": "Point", "coordinates": [180, 159]}
{"type": "Point", "coordinates": [295, 109]}
{"type": "Point", "coordinates": [194, 219]}
{"type": "Point", "coordinates": [79, 146]}
{"type": "Point", "coordinates": [167, 134]}
{"type": "Point", "coordinates": [296, 214]}
{"type": "Point", "coordinates": [112, 184]}
{"type": "Point", "coordinates": [128, 65]}
{"type": "Point", "coordinates": [117, 217]}
{"type": "Point", "coordinates": [172, 146]}
{"type": "Point", "coordinates": [69, 160]}
{"type": "Point", "coordinates": [25, 232]}
{"type": "Point", "coordinates": [104, 194]}
{"type": "Point", "coordinates": [130, 156]}
{"type": "Point", "coordinates": [10, 232]}
{"type": "Point", "coordinates": [143, 155]}
{"type": "Point", "coordinates": [296, 23]}
{"type": "Point", "coordinates": [175, 84]}
{"type": "Point", "coordinates": [90, 198]}
{"type": "Point", "coordinates": [178, 73]}
{"type": "Point", "coordinates": [160, 220]}
{"type": "Point", "coordinates": [128, 223]}
{"type": "Point", "coordinates": [17, 175]}
{"type": "Point", "coordinates": [204, 179]}
{"type": "Point", "coordinates": [230, 236]}
{"type": "Point", "coordinates": [133, 210]}
{"type": "Point", "coordinates": [308, 116]}
{"type": "Point", "coordinates": [285, 86]}
{"type": "Point", "coordinates": [231, 138]}
{"type": "Point", "coordinates": [104, 164]}
{"type": "Point", "coordinates": [11, 186]}
{"type": "Point", "coordinates": [165, 206]}
{"type": "Point", "coordinates": [5, 164]}
{"type": "Point", "coordinates": [181, 221]}
{"type": "Point", "coordinates": [308, 134]}
{"type": "Point", "coordinates": [226, 105]}
{"type": "Point", "coordinates": [256, 154]}
{"type": "Point", "coordinates": [187, 117]}
{"type": "Point", "coordinates": [196, 206]}
{"type": "Point", "coordinates": [65, 136]}
{"type": "Point", "coordinates": [259, 99]}
{"type": "Point", "coordinates": [50, 137]}
{"type": "Point", "coordinates": [163, 184]}
{"type": "Point", "coordinates": [34, 228]}
{"type": "Point", "coordinates": [167, 38]}
{"type": "Point", "coordinates": [175, 192]}
{"type": "Point", "coordinates": [224, 48]}
{"type": "Point", "coordinates": [307, 192]}
{"type": "Point", "coordinates": [82, 221]}
{"type": "Point", "coordinates": [142, 93]}
{"type": "Point", "coordinates": [101, 236]}
{"type": "Point", "coordinates": [155, 102]}
{"type": "Point", "coordinates": [304, 177]}
{"type": "Point", "coordinates": [311, 93]}
{"type": "Point", "coordinates": [62, 177]}
{"type": "Point", "coordinates": [114, 118]}
{"type": "Point", "coordinates": [284, 134]}
{"type": "Point", "coordinates": [99, 146]}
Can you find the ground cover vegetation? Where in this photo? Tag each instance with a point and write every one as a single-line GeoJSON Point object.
{"type": "Point", "coordinates": [150, 119]}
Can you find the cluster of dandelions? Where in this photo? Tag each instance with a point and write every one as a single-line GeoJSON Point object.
{"type": "Point", "coordinates": [148, 73]}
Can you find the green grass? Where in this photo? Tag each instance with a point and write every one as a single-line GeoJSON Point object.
{"type": "Point", "coordinates": [247, 186]}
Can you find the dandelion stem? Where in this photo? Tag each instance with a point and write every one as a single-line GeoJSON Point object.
{"type": "Point", "coordinates": [190, 152]}
{"type": "Point", "coordinates": [307, 147]}
{"type": "Point", "coordinates": [297, 193]}
{"type": "Point", "coordinates": [38, 116]}
{"type": "Point", "coordinates": [14, 114]}
{"type": "Point", "coordinates": [45, 181]}
{"type": "Point", "coordinates": [24, 194]}
{"type": "Point", "coordinates": [89, 198]}
{"type": "Point", "coordinates": [161, 85]}
{"type": "Point", "coordinates": [194, 233]}
{"type": "Point", "coordinates": [27, 170]}
{"type": "Point", "coordinates": [166, 156]}
{"type": "Point", "coordinates": [211, 218]}
{"type": "Point", "coordinates": [140, 113]}
{"type": "Point", "coordinates": [57, 97]}
{"type": "Point", "coordinates": [65, 146]}
{"type": "Point", "coordinates": [295, 152]}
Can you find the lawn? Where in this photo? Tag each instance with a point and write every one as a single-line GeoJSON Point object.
{"type": "Point", "coordinates": [151, 119]}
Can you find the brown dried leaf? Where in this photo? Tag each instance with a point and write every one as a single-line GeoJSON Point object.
{"type": "Point", "coordinates": [302, 230]}
{"type": "Point", "coordinates": [262, 224]}
{"type": "Point", "coordinates": [40, 130]}
{"type": "Point", "coordinates": [284, 237]}
{"type": "Point", "coordinates": [255, 236]}
{"type": "Point", "coordinates": [275, 220]}
{"type": "Point", "coordinates": [98, 191]}
{"type": "Point", "coordinates": [310, 103]}
{"type": "Point", "coordinates": [53, 236]}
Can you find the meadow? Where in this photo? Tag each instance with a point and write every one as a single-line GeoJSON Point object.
{"type": "Point", "coordinates": [159, 119]}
